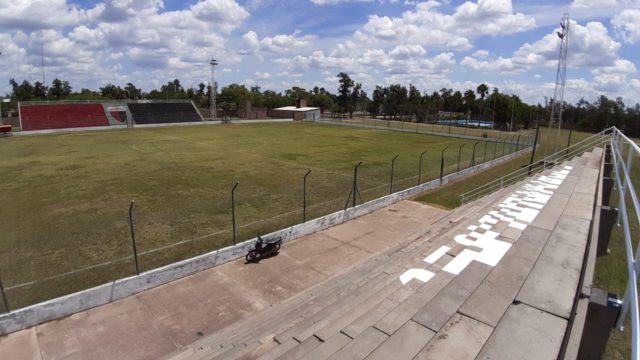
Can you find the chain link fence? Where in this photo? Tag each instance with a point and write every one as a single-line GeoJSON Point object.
{"type": "Point", "coordinates": [160, 233]}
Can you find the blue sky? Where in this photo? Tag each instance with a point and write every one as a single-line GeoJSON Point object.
{"type": "Point", "coordinates": [279, 44]}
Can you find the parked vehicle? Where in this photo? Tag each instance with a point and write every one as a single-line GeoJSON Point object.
{"type": "Point", "coordinates": [264, 248]}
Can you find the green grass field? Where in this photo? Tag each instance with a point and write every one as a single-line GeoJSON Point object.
{"type": "Point", "coordinates": [66, 196]}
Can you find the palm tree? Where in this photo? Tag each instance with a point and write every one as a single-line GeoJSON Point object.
{"type": "Point", "coordinates": [482, 90]}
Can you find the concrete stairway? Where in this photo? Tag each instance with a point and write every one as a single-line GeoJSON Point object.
{"type": "Point", "coordinates": [441, 294]}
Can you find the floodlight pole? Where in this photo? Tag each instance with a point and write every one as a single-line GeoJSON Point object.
{"type": "Point", "coordinates": [214, 86]}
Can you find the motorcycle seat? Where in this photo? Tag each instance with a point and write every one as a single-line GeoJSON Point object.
{"type": "Point", "coordinates": [271, 240]}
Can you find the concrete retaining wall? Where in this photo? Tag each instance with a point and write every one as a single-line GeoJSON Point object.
{"type": "Point", "coordinates": [112, 127]}
{"type": "Point", "coordinates": [73, 303]}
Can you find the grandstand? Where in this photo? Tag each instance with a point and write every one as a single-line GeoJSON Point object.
{"type": "Point", "coordinates": [163, 113]}
{"type": "Point", "coordinates": [85, 114]}
{"type": "Point", "coordinates": [61, 116]}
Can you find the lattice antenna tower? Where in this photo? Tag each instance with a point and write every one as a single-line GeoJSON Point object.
{"type": "Point", "coordinates": [557, 106]}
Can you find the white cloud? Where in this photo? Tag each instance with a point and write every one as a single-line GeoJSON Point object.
{"type": "Point", "coordinates": [590, 46]}
{"type": "Point", "coordinates": [333, 2]}
{"type": "Point", "coordinates": [262, 75]}
{"type": "Point", "coordinates": [37, 15]}
{"type": "Point", "coordinates": [481, 54]}
{"type": "Point", "coordinates": [426, 26]}
{"type": "Point", "coordinates": [627, 25]}
{"type": "Point", "coordinates": [221, 13]}
{"type": "Point", "coordinates": [407, 51]}
{"type": "Point", "coordinates": [276, 44]}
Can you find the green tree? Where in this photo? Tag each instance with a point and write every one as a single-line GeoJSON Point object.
{"type": "Point", "coordinates": [344, 93]}
{"type": "Point", "coordinates": [482, 90]}
{"type": "Point", "coordinates": [469, 99]}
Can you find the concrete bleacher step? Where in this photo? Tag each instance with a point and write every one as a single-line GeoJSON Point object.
{"type": "Point", "coordinates": [371, 300]}
{"type": "Point", "coordinates": [214, 342]}
{"type": "Point", "coordinates": [366, 312]}
{"type": "Point", "coordinates": [443, 223]}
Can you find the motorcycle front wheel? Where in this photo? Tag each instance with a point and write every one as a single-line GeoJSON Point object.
{"type": "Point", "coordinates": [252, 256]}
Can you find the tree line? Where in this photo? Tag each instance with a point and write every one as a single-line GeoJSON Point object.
{"type": "Point", "coordinates": [395, 101]}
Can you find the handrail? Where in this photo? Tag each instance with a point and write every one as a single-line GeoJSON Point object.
{"type": "Point", "coordinates": [626, 191]}
{"type": "Point", "coordinates": [624, 184]}
{"type": "Point", "coordinates": [537, 166]}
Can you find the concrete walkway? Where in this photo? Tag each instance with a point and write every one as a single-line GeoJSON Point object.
{"type": "Point", "coordinates": [159, 321]}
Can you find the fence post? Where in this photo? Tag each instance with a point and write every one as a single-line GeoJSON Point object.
{"type": "Point", "coordinates": [4, 296]}
{"type": "Point", "coordinates": [495, 148]}
{"type": "Point", "coordinates": [355, 183]}
{"type": "Point", "coordinates": [533, 152]}
{"type": "Point", "coordinates": [420, 167]}
{"type": "Point", "coordinates": [569, 141]}
{"type": "Point", "coordinates": [133, 237]}
{"type": "Point", "coordinates": [503, 146]}
{"type": "Point", "coordinates": [518, 143]}
{"type": "Point", "coordinates": [304, 197]}
{"type": "Point", "coordinates": [233, 210]}
{"type": "Point", "coordinates": [393, 162]}
{"type": "Point", "coordinates": [460, 153]}
{"type": "Point", "coordinates": [442, 164]}
{"type": "Point", "coordinates": [486, 144]}
{"type": "Point", "coordinates": [473, 156]}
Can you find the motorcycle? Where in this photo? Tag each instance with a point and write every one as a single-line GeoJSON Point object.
{"type": "Point", "coordinates": [264, 248]}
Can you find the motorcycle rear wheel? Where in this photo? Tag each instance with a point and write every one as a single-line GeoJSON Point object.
{"type": "Point", "coordinates": [252, 256]}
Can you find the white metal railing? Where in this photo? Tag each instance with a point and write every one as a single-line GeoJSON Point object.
{"type": "Point", "coordinates": [622, 168]}
{"type": "Point", "coordinates": [537, 166]}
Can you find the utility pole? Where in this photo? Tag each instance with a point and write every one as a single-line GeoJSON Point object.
{"type": "Point", "coordinates": [214, 88]}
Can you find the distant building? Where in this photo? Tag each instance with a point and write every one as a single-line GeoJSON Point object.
{"type": "Point", "coordinates": [299, 112]}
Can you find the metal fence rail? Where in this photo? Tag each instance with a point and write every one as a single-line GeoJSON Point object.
{"type": "Point", "coordinates": [537, 166]}
{"type": "Point", "coordinates": [622, 169]}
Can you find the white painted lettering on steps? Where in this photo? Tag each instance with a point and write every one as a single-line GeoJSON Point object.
{"type": "Point", "coordinates": [518, 210]}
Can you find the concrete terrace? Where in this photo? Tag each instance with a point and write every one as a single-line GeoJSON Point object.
{"type": "Point", "coordinates": [493, 279]}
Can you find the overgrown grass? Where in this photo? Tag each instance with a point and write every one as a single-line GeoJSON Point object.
{"type": "Point", "coordinates": [66, 196]}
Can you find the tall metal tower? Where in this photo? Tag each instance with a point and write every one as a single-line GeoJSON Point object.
{"type": "Point", "coordinates": [557, 106]}
{"type": "Point", "coordinates": [214, 89]}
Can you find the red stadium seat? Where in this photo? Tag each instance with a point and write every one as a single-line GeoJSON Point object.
{"type": "Point", "coordinates": [62, 116]}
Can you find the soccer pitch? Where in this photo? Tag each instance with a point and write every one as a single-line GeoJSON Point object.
{"type": "Point", "coordinates": [65, 199]}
